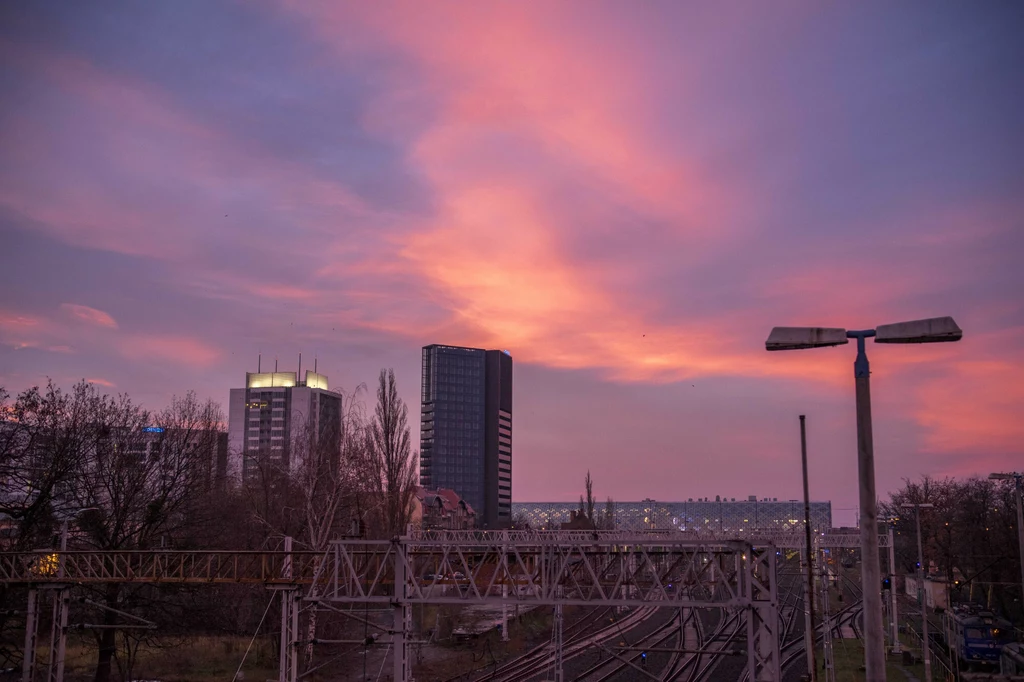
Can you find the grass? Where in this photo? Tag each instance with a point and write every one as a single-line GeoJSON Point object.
{"type": "Point", "coordinates": [849, 662]}
{"type": "Point", "coordinates": [193, 659]}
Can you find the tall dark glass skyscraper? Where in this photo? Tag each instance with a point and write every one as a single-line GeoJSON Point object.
{"type": "Point", "coordinates": [466, 428]}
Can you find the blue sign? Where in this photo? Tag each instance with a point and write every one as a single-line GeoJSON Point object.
{"type": "Point", "coordinates": [153, 429]}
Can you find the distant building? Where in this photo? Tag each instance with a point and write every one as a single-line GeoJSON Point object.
{"type": "Point", "coordinates": [728, 516]}
{"type": "Point", "coordinates": [176, 448]}
{"type": "Point", "coordinates": [466, 428]}
{"type": "Point", "coordinates": [441, 509]}
{"type": "Point", "coordinates": [272, 412]}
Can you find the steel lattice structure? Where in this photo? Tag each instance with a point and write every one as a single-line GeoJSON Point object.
{"type": "Point", "coordinates": [587, 568]}
{"type": "Point", "coordinates": [558, 569]}
{"type": "Point", "coordinates": [145, 566]}
{"type": "Point", "coordinates": [299, 568]}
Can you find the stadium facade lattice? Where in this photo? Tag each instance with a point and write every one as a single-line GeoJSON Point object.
{"type": "Point", "coordinates": [719, 515]}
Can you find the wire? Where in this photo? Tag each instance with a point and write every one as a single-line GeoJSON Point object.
{"type": "Point", "coordinates": [383, 661]}
{"type": "Point", "coordinates": [253, 638]}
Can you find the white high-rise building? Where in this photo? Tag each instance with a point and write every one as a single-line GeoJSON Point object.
{"type": "Point", "coordinates": [271, 413]}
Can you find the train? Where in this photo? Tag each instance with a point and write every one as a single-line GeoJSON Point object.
{"type": "Point", "coordinates": [975, 636]}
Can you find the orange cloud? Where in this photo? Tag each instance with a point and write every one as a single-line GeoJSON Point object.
{"type": "Point", "coordinates": [89, 315]}
{"type": "Point", "coordinates": [498, 252]}
{"type": "Point", "coordinates": [973, 403]}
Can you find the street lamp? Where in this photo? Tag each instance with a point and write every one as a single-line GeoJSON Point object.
{"type": "Point", "coordinates": [925, 644]}
{"type": "Point", "coordinates": [1017, 476]}
{"type": "Point", "coordinates": [64, 535]}
{"type": "Point", "coordinates": [935, 330]}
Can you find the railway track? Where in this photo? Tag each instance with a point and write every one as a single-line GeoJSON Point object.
{"type": "Point", "coordinates": [536, 661]}
{"type": "Point", "coordinates": [681, 645]}
{"type": "Point", "coordinates": [851, 616]}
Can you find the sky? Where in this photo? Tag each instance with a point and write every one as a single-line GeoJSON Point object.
{"type": "Point", "coordinates": [627, 197]}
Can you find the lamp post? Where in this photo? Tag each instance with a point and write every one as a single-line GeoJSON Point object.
{"type": "Point", "coordinates": [925, 644]}
{"type": "Point", "coordinates": [1017, 476]}
{"type": "Point", "coordinates": [939, 329]}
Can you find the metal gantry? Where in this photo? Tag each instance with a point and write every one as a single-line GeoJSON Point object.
{"type": "Point", "coordinates": [501, 568]}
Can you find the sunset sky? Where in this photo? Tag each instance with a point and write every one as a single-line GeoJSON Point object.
{"type": "Point", "coordinates": [626, 196]}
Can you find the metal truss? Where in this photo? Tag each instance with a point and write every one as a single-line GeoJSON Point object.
{"type": "Point", "coordinates": [764, 662]}
{"type": "Point", "coordinates": [286, 568]}
{"type": "Point", "coordinates": [621, 571]}
{"type": "Point", "coordinates": [557, 568]}
{"type": "Point", "coordinates": [159, 566]}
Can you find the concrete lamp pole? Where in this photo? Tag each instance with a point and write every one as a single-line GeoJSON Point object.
{"type": "Point", "coordinates": [925, 644]}
{"type": "Point", "coordinates": [939, 329]}
{"type": "Point", "coordinates": [1016, 476]}
{"type": "Point", "coordinates": [60, 611]}
{"type": "Point", "coordinates": [64, 536]}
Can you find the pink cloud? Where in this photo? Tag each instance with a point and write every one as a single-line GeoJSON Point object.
{"type": "Point", "coordinates": [89, 315]}
{"type": "Point", "coordinates": [180, 350]}
{"type": "Point", "coordinates": [20, 331]}
{"type": "Point", "coordinates": [214, 164]}
{"type": "Point", "coordinates": [102, 382]}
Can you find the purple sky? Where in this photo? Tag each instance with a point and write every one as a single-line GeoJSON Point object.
{"type": "Point", "coordinates": [627, 197]}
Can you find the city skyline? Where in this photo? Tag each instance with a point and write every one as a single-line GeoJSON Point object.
{"type": "Point", "coordinates": [627, 212]}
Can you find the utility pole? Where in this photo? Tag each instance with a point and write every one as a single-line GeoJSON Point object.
{"type": "Point", "coordinates": [1017, 476]}
{"type": "Point", "coordinates": [812, 667]}
{"type": "Point", "coordinates": [925, 644]}
{"type": "Point", "coordinates": [826, 622]}
{"type": "Point", "coordinates": [894, 617]}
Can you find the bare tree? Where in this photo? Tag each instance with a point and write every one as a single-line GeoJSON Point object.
{"type": "Point", "coordinates": [394, 465]}
{"type": "Point", "coordinates": [968, 534]}
{"type": "Point", "coordinates": [608, 522]}
{"type": "Point", "coordinates": [44, 436]}
{"type": "Point", "coordinates": [589, 484]}
{"type": "Point", "coordinates": [144, 479]}
{"type": "Point", "coordinates": [328, 484]}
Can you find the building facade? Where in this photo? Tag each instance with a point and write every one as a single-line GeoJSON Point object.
{"type": "Point", "coordinates": [719, 515]}
{"type": "Point", "coordinates": [274, 416]}
{"type": "Point", "coordinates": [441, 510]}
{"type": "Point", "coordinates": [466, 428]}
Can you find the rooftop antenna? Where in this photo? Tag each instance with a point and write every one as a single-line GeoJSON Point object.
{"type": "Point", "coordinates": [275, 364]}
{"type": "Point", "coordinates": [314, 364]}
{"type": "Point", "coordinates": [298, 375]}
{"type": "Point", "coordinates": [259, 361]}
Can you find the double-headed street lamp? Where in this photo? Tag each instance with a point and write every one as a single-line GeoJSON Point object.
{"type": "Point", "coordinates": [921, 598]}
{"type": "Point", "coordinates": [1017, 476]}
{"type": "Point", "coordinates": [933, 330]}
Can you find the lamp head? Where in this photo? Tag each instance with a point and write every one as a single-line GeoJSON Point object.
{"type": "Point", "coordinates": [932, 330]}
{"type": "Point", "coordinates": [795, 338]}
